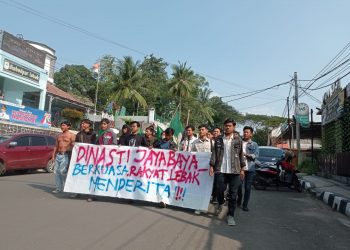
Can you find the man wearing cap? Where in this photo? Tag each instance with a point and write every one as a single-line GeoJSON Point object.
{"type": "Point", "coordinates": [64, 145]}
{"type": "Point", "coordinates": [227, 162]}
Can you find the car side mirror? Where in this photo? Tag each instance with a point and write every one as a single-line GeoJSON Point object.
{"type": "Point", "coordinates": [12, 144]}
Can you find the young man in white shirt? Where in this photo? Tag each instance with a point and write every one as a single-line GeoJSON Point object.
{"type": "Point", "coordinates": [202, 144]}
{"type": "Point", "coordinates": [227, 163]}
{"type": "Point", "coordinates": [186, 144]}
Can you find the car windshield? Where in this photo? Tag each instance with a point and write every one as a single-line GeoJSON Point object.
{"type": "Point", "coordinates": [4, 138]}
{"type": "Point", "coordinates": [270, 152]}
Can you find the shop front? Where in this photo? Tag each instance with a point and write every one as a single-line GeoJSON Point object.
{"type": "Point", "coordinates": [23, 78]}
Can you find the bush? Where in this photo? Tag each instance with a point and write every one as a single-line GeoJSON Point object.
{"type": "Point", "coordinates": [73, 115]}
{"type": "Point", "coordinates": [308, 167]}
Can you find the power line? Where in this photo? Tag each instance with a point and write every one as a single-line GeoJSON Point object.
{"type": "Point", "coordinates": [328, 65]}
{"type": "Point", "coordinates": [328, 85]}
{"type": "Point", "coordinates": [261, 104]}
{"type": "Point", "coordinates": [258, 91]}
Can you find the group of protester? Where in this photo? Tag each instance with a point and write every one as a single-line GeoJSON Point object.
{"type": "Point", "coordinates": [232, 161]}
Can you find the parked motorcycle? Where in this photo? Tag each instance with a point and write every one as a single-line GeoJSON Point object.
{"type": "Point", "coordinates": [277, 176]}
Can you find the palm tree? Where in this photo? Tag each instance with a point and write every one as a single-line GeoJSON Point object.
{"type": "Point", "coordinates": [183, 82]}
{"type": "Point", "coordinates": [127, 82]}
{"type": "Point", "coordinates": [205, 106]}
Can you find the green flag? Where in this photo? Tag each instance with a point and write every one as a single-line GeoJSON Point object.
{"type": "Point", "coordinates": [177, 126]}
{"type": "Point", "coordinates": [159, 132]}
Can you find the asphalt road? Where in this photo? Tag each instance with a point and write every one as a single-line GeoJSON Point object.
{"type": "Point", "coordinates": [31, 217]}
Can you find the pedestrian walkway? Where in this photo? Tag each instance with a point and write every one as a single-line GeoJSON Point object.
{"type": "Point", "coordinates": [334, 193]}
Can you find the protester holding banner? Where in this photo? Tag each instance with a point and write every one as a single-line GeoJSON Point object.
{"type": "Point", "coordinates": [202, 144]}
{"type": "Point", "coordinates": [186, 143]}
{"type": "Point", "coordinates": [86, 133]}
{"type": "Point", "coordinates": [135, 139]}
{"type": "Point", "coordinates": [64, 144]}
{"type": "Point", "coordinates": [227, 163]}
{"type": "Point", "coordinates": [168, 144]}
{"type": "Point", "coordinates": [125, 132]}
{"type": "Point", "coordinates": [105, 135]}
{"type": "Point", "coordinates": [150, 136]}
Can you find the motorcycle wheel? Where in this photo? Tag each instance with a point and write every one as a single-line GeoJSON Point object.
{"type": "Point", "coordinates": [298, 186]}
{"type": "Point", "coordinates": [259, 184]}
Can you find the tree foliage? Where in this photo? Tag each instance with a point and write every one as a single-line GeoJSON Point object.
{"type": "Point", "coordinates": [76, 79]}
{"type": "Point", "coordinates": [140, 85]}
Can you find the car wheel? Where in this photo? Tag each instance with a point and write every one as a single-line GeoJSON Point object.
{"type": "Point", "coordinates": [2, 168]}
{"type": "Point", "coordinates": [50, 167]}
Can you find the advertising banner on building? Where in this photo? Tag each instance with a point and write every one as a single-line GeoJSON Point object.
{"type": "Point", "coordinates": [175, 178]}
{"type": "Point", "coordinates": [22, 114]}
{"type": "Point", "coordinates": [302, 114]}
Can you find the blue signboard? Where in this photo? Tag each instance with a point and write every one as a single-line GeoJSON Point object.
{"type": "Point", "coordinates": [22, 114]}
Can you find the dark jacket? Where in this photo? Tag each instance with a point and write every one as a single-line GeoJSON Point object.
{"type": "Point", "coordinates": [122, 139]}
{"type": "Point", "coordinates": [150, 142]}
{"type": "Point", "coordinates": [135, 141]}
{"type": "Point", "coordinates": [86, 137]}
{"type": "Point", "coordinates": [107, 138]}
{"type": "Point", "coordinates": [237, 159]}
{"type": "Point", "coordinates": [163, 144]}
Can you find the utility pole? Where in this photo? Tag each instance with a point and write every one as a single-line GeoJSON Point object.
{"type": "Point", "coordinates": [289, 133]}
{"type": "Point", "coordinates": [297, 126]}
{"type": "Point", "coordinates": [312, 135]}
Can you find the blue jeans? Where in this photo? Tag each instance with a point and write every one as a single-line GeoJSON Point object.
{"type": "Point", "coordinates": [61, 167]}
{"type": "Point", "coordinates": [248, 181]}
{"type": "Point", "coordinates": [233, 182]}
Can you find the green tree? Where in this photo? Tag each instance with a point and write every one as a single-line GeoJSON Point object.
{"type": "Point", "coordinates": [183, 82]}
{"type": "Point", "coordinates": [222, 111]}
{"type": "Point", "coordinates": [154, 86]}
{"type": "Point", "coordinates": [127, 82]}
{"type": "Point", "coordinates": [76, 79]}
{"type": "Point", "coordinates": [261, 136]}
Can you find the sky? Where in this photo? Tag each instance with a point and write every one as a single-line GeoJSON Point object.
{"type": "Point", "coordinates": [239, 46]}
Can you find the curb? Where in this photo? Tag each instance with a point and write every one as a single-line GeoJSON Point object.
{"type": "Point", "coordinates": [337, 203]}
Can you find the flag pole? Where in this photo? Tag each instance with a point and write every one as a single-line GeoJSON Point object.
{"type": "Point", "coordinates": [175, 112]}
{"type": "Point", "coordinates": [96, 95]}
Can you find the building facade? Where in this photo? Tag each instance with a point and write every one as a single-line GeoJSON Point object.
{"type": "Point", "coordinates": [24, 72]}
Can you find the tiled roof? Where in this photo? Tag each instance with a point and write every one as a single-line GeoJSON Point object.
{"type": "Point", "coordinates": [53, 90]}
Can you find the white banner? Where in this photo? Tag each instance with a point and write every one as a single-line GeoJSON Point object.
{"type": "Point", "coordinates": [176, 178]}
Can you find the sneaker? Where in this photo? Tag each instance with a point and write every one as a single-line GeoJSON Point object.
{"type": "Point", "coordinates": [198, 212]}
{"type": "Point", "coordinates": [231, 221]}
{"type": "Point", "coordinates": [218, 209]}
{"type": "Point", "coordinates": [214, 200]}
{"type": "Point", "coordinates": [162, 204]}
{"type": "Point", "coordinates": [56, 191]}
{"type": "Point", "coordinates": [245, 209]}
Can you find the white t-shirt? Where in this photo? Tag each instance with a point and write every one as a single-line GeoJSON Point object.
{"type": "Point", "coordinates": [226, 161]}
{"type": "Point", "coordinates": [244, 149]}
{"type": "Point", "coordinates": [186, 144]}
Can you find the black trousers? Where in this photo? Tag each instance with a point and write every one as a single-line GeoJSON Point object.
{"type": "Point", "coordinates": [233, 181]}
